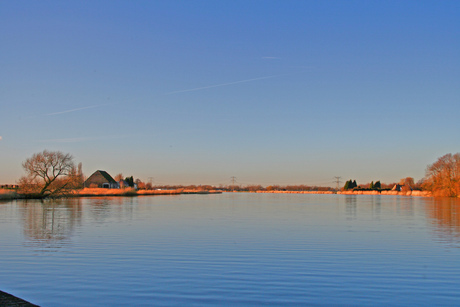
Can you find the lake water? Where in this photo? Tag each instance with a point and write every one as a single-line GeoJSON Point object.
{"type": "Point", "coordinates": [232, 249]}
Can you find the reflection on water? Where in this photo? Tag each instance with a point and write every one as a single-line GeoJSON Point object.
{"type": "Point", "coordinates": [372, 203]}
{"type": "Point", "coordinates": [406, 206]}
{"type": "Point", "coordinates": [351, 206]}
{"type": "Point", "coordinates": [444, 214]}
{"type": "Point", "coordinates": [240, 249]}
{"type": "Point", "coordinates": [50, 223]}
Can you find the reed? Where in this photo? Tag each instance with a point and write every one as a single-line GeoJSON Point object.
{"type": "Point", "coordinates": [122, 192]}
{"type": "Point", "coordinates": [8, 194]}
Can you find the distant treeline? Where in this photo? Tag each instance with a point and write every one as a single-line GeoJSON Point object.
{"type": "Point", "coordinates": [405, 184]}
{"type": "Point", "coordinates": [442, 178]}
{"type": "Point", "coordinates": [245, 188]}
{"type": "Point", "coordinates": [54, 174]}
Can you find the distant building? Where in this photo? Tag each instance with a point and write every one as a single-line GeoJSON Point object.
{"type": "Point", "coordinates": [101, 179]}
{"type": "Point", "coordinates": [123, 184]}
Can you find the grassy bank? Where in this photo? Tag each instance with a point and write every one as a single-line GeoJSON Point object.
{"type": "Point", "coordinates": [297, 192]}
{"type": "Point", "coordinates": [7, 194]}
{"type": "Point", "coordinates": [375, 192]}
{"type": "Point", "coordinates": [97, 192]}
{"type": "Point", "coordinates": [402, 193]}
{"type": "Point", "coordinates": [132, 192]}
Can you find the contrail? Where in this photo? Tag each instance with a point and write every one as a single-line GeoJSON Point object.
{"type": "Point", "coordinates": [84, 139]}
{"type": "Point", "coordinates": [73, 110]}
{"type": "Point", "coordinates": [222, 84]}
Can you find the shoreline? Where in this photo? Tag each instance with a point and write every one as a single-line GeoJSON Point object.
{"type": "Point", "coordinates": [408, 193]}
{"type": "Point", "coordinates": [95, 192]}
{"type": "Point", "coordinates": [98, 192]}
{"type": "Point", "coordinates": [415, 193]}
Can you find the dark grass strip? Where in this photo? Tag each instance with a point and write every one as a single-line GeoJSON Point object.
{"type": "Point", "coordinates": [9, 300]}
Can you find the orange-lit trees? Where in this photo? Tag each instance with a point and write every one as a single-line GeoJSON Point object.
{"type": "Point", "coordinates": [119, 177]}
{"type": "Point", "coordinates": [407, 184]}
{"type": "Point", "coordinates": [443, 176]}
{"type": "Point", "coordinates": [49, 173]}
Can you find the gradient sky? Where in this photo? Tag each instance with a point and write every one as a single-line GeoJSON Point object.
{"type": "Point", "coordinates": [194, 92]}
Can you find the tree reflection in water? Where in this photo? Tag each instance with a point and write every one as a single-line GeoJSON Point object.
{"type": "Point", "coordinates": [444, 214]}
{"type": "Point", "coordinates": [351, 207]}
{"type": "Point", "coordinates": [50, 223]}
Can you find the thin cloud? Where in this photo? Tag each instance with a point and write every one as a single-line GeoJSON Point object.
{"type": "Point", "coordinates": [83, 139]}
{"type": "Point", "coordinates": [75, 110]}
{"type": "Point", "coordinates": [68, 140]}
{"type": "Point", "coordinates": [222, 84]}
{"type": "Point", "coordinates": [1, 138]}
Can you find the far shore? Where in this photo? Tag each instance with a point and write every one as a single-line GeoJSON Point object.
{"type": "Point", "coordinates": [373, 192]}
{"type": "Point", "coordinates": [99, 192]}
{"type": "Point", "coordinates": [88, 192]}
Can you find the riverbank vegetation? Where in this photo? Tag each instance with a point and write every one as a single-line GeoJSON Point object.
{"type": "Point", "coordinates": [50, 174]}
{"type": "Point", "coordinates": [8, 194]}
{"type": "Point", "coordinates": [405, 185]}
{"type": "Point", "coordinates": [54, 174]}
{"type": "Point", "coordinates": [443, 176]}
{"type": "Point", "coordinates": [88, 192]}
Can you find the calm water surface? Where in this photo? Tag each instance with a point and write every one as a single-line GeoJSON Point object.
{"type": "Point", "coordinates": [232, 249]}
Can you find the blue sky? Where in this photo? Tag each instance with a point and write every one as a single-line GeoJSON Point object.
{"type": "Point", "coordinates": [194, 92]}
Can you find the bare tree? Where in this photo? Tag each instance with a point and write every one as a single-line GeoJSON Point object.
{"type": "Point", "coordinates": [119, 177]}
{"type": "Point", "coordinates": [49, 173]}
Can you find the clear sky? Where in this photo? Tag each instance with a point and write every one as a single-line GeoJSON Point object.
{"type": "Point", "coordinates": [194, 92]}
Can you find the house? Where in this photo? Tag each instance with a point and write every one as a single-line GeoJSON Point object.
{"type": "Point", "coordinates": [101, 179]}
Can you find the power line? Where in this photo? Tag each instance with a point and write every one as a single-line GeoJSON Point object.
{"type": "Point", "coordinates": [338, 181]}
{"type": "Point", "coordinates": [233, 182]}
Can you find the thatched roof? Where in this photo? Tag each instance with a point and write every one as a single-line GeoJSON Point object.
{"type": "Point", "coordinates": [107, 176]}
{"type": "Point", "coordinates": [99, 177]}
